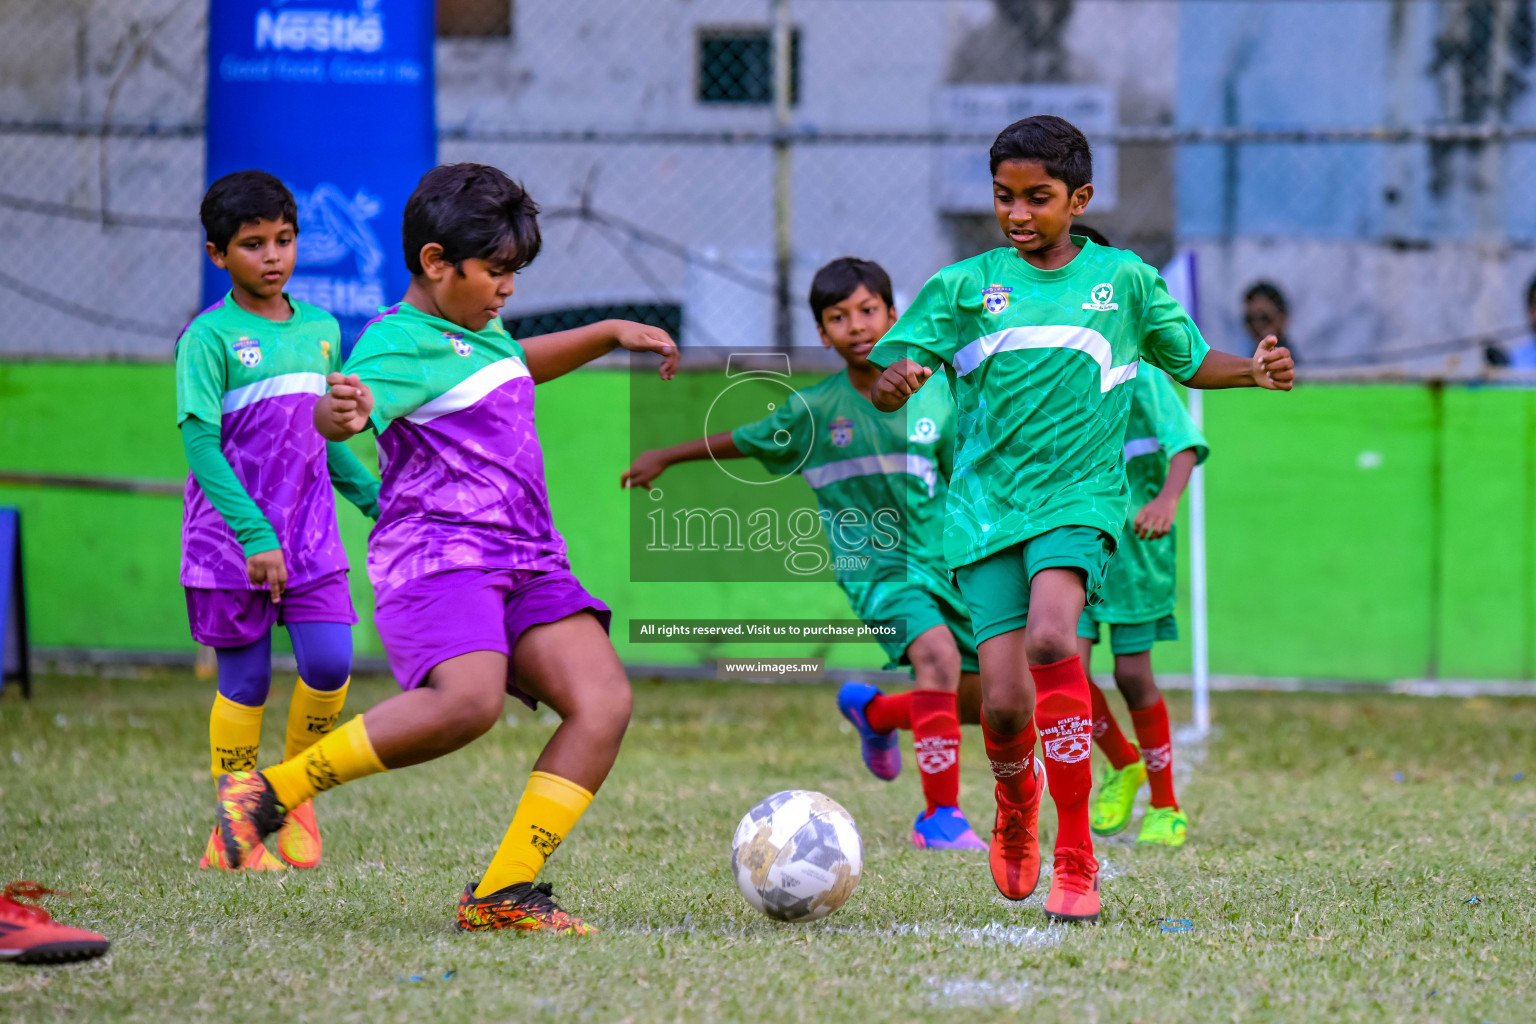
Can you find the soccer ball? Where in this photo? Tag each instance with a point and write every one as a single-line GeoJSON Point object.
{"type": "Point", "coordinates": [797, 855]}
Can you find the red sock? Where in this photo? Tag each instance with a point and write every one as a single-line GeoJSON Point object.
{"type": "Point", "coordinates": [1065, 715]}
{"type": "Point", "coordinates": [1157, 751]}
{"type": "Point", "coordinates": [936, 739]}
{"type": "Point", "coordinates": [885, 713]}
{"type": "Point", "coordinates": [1106, 731]}
{"type": "Point", "coordinates": [1013, 761]}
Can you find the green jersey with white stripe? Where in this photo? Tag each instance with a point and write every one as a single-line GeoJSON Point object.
{"type": "Point", "coordinates": [880, 479]}
{"type": "Point", "coordinates": [1039, 360]}
{"type": "Point", "coordinates": [1141, 582]}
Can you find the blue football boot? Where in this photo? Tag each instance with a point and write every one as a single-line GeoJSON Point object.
{"type": "Point", "coordinates": [881, 750]}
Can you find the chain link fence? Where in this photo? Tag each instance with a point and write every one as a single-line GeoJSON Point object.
{"type": "Point", "coordinates": [1371, 159]}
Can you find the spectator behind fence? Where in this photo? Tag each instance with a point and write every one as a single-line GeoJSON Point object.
{"type": "Point", "coordinates": [1522, 354]}
{"type": "Point", "coordinates": [1265, 313]}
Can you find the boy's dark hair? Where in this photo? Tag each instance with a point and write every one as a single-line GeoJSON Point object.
{"type": "Point", "coordinates": [242, 198]}
{"type": "Point", "coordinates": [1266, 290]}
{"type": "Point", "coordinates": [473, 211]}
{"type": "Point", "coordinates": [1048, 140]}
{"type": "Point", "coordinates": [1530, 294]}
{"type": "Point", "coordinates": [1093, 235]}
{"type": "Point", "coordinates": [841, 278]}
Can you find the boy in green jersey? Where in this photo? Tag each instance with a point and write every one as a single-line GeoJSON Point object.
{"type": "Point", "coordinates": [1161, 449]}
{"type": "Point", "coordinates": [873, 471]}
{"type": "Point", "coordinates": [1038, 340]}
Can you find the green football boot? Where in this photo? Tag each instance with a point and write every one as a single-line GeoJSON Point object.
{"type": "Point", "coordinates": [1163, 826]}
{"type": "Point", "coordinates": [1111, 809]}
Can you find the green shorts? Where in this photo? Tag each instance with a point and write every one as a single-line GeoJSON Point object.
{"type": "Point", "coordinates": [1130, 637]}
{"type": "Point", "coordinates": [997, 587]}
{"type": "Point", "coordinates": [920, 610]}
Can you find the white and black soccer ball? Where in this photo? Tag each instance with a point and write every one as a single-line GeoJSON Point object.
{"type": "Point", "coordinates": [797, 855]}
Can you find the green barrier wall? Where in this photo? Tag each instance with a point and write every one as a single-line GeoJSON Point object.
{"type": "Point", "coordinates": [1361, 533]}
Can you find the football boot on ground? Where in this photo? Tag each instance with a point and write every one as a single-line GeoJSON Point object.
{"type": "Point", "coordinates": [260, 858]}
{"type": "Point", "coordinates": [1163, 826]}
{"type": "Point", "coordinates": [248, 812]}
{"type": "Point", "coordinates": [523, 907]}
{"type": "Point", "coordinates": [881, 750]}
{"type": "Point", "coordinates": [1110, 811]}
{"type": "Point", "coordinates": [1074, 896]}
{"type": "Point", "coordinates": [1015, 858]}
{"type": "Point", "coordinates": [298, 841]}
{"type": "Point", "coordinates": [945, 828]}
{"type": "Point", "coordinates": [28, 935]}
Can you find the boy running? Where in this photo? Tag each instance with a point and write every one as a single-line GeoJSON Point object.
{"type": "Point", "coordinates": [1038, 340]}
{"type": "Point", "coordinates": [1161, 449]}
{"type": "Point", "coordinates": [475, 595]}
{"type": "Point", "coordinates": [862, 462]}
{"type": "Point", "coordinates": [259, 538]}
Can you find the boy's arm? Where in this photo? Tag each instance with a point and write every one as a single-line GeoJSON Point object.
{"type": "Point", "coordinates": [1270, 367]}
{"type": "Point", "coordinates": [553, 355]}
{"type": "Point", "coordinates": [650, 465]}
{"type": "Point", "coordinates": [343, 412]}
{"type": "Point", "coordinates": [263, 554]}
{"type": "Point", "coordinates": [352, 479]}
{"type": "Point", "coordinates": [1156, 517]}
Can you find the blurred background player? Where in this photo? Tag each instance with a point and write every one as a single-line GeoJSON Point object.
{"type": "Point", "coordinates": [1162, 448]}
{"type": "Point", "coordinates": [860, 460]}
{"type": "Point", "coordinates": [1038, 340]}
{"type": "Point", "coordinates": [475, 595]}
{"type": "Point", "coordinates": [259, 538]}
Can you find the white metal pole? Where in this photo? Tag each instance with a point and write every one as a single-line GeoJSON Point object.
{"type": "Point", "coordinates": [1200, 636]}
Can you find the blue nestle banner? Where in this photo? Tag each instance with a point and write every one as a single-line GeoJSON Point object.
{"type": "Point", "coordinates": [336, 98]}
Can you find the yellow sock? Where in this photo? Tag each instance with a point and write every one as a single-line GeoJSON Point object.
{"type": "Point", "coordinates": [234, 733]}
{"type": "Point", "coordinates": [545, 815]}
{"type": "Point", "coordinates": [312, 714]}
{"type": "Point", "coordinates": [342, 756]}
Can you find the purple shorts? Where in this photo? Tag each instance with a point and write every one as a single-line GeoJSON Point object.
{"type": "Point", "coordinates": [428, 620]}
{"type": "Point", "coordinates": [234, 618]}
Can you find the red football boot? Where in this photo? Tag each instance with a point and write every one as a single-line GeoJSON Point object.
{"type": "Point", "coordinates": [1074, 894]}
{"type": "Point", "coordinates": [28, 935]}
{"type": "Point", "coordinates": [1015, 856]}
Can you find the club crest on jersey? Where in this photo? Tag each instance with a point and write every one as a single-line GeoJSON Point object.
{"type": "Point", "coordinates": [460, 346]}
{"type": "Point", "coordinates": [994, 298]}
{"type": "Point", "coordinates": [1101, 299]}
{"type": "Point", "coordinates": [842, 432]}
{"type": "Point", "coordinates": [924, 431]}
{"type": "Point", "coordinates": [248, 351]}
{"type": "Point", "coordinates": [325, 348]}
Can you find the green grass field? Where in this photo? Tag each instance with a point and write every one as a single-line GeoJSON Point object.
{"type": "Point", "coordinates": [1353, 858]}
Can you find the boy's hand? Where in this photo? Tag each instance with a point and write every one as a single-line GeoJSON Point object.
{"type": "Point", "coordinates": [898, 383]}
{"type": "Point", "coordinates": [1155, 518]}
{"type": "Point", "coordinates": [351, 402]}
{"type": "Point", "coordinates": [646, 467]}
{"type": "Point", "coordinates": [1273, 367]}
{"type": "Point", "coordinates": [645, 338]}
{"type": "Point", "coordinates": [269, 569]}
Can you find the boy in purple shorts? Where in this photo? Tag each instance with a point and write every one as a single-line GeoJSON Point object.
{"type": "Point", "coordinates": [259, 539]}
{"type": "Point", "coordinates": [475, 596]}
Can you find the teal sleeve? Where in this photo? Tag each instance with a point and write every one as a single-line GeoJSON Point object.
{"type": "Point", "coordinates": [927, 332]}
{"type": "Point", "coordinates": [1169, 338]}
{"type": "Point", "coordinates": [352, 479]}
{"type": "Point", "coordinates": [225, 492]}
{"type": "Point", "coordinates": [780, 440]}
{"type": "Point", "coordinates": [1171, 422]}
{"type": "Point", "coordinates": [200, 376]}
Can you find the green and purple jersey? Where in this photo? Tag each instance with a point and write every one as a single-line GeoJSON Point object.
{"type": "Point", "coordinates": [462, 471]}
{"type": "Point", "coordinates": [257, 381]}
{"type": "Point", "coordinates": [880, 479]}
{"type": "Point", "coordinates": [1039, 360]}
{"type": "Point", "coordinates": [1141, 582]}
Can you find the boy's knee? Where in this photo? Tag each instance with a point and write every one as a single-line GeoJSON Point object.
{"type": "Point", "coordinates": [935, 665]}
{"type": "Point", "coordinates": [1048, 646]}
{"type": "Point", "coordinates": [327, 672]}
{"type": "Point", "coordinates": [473, 714]}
